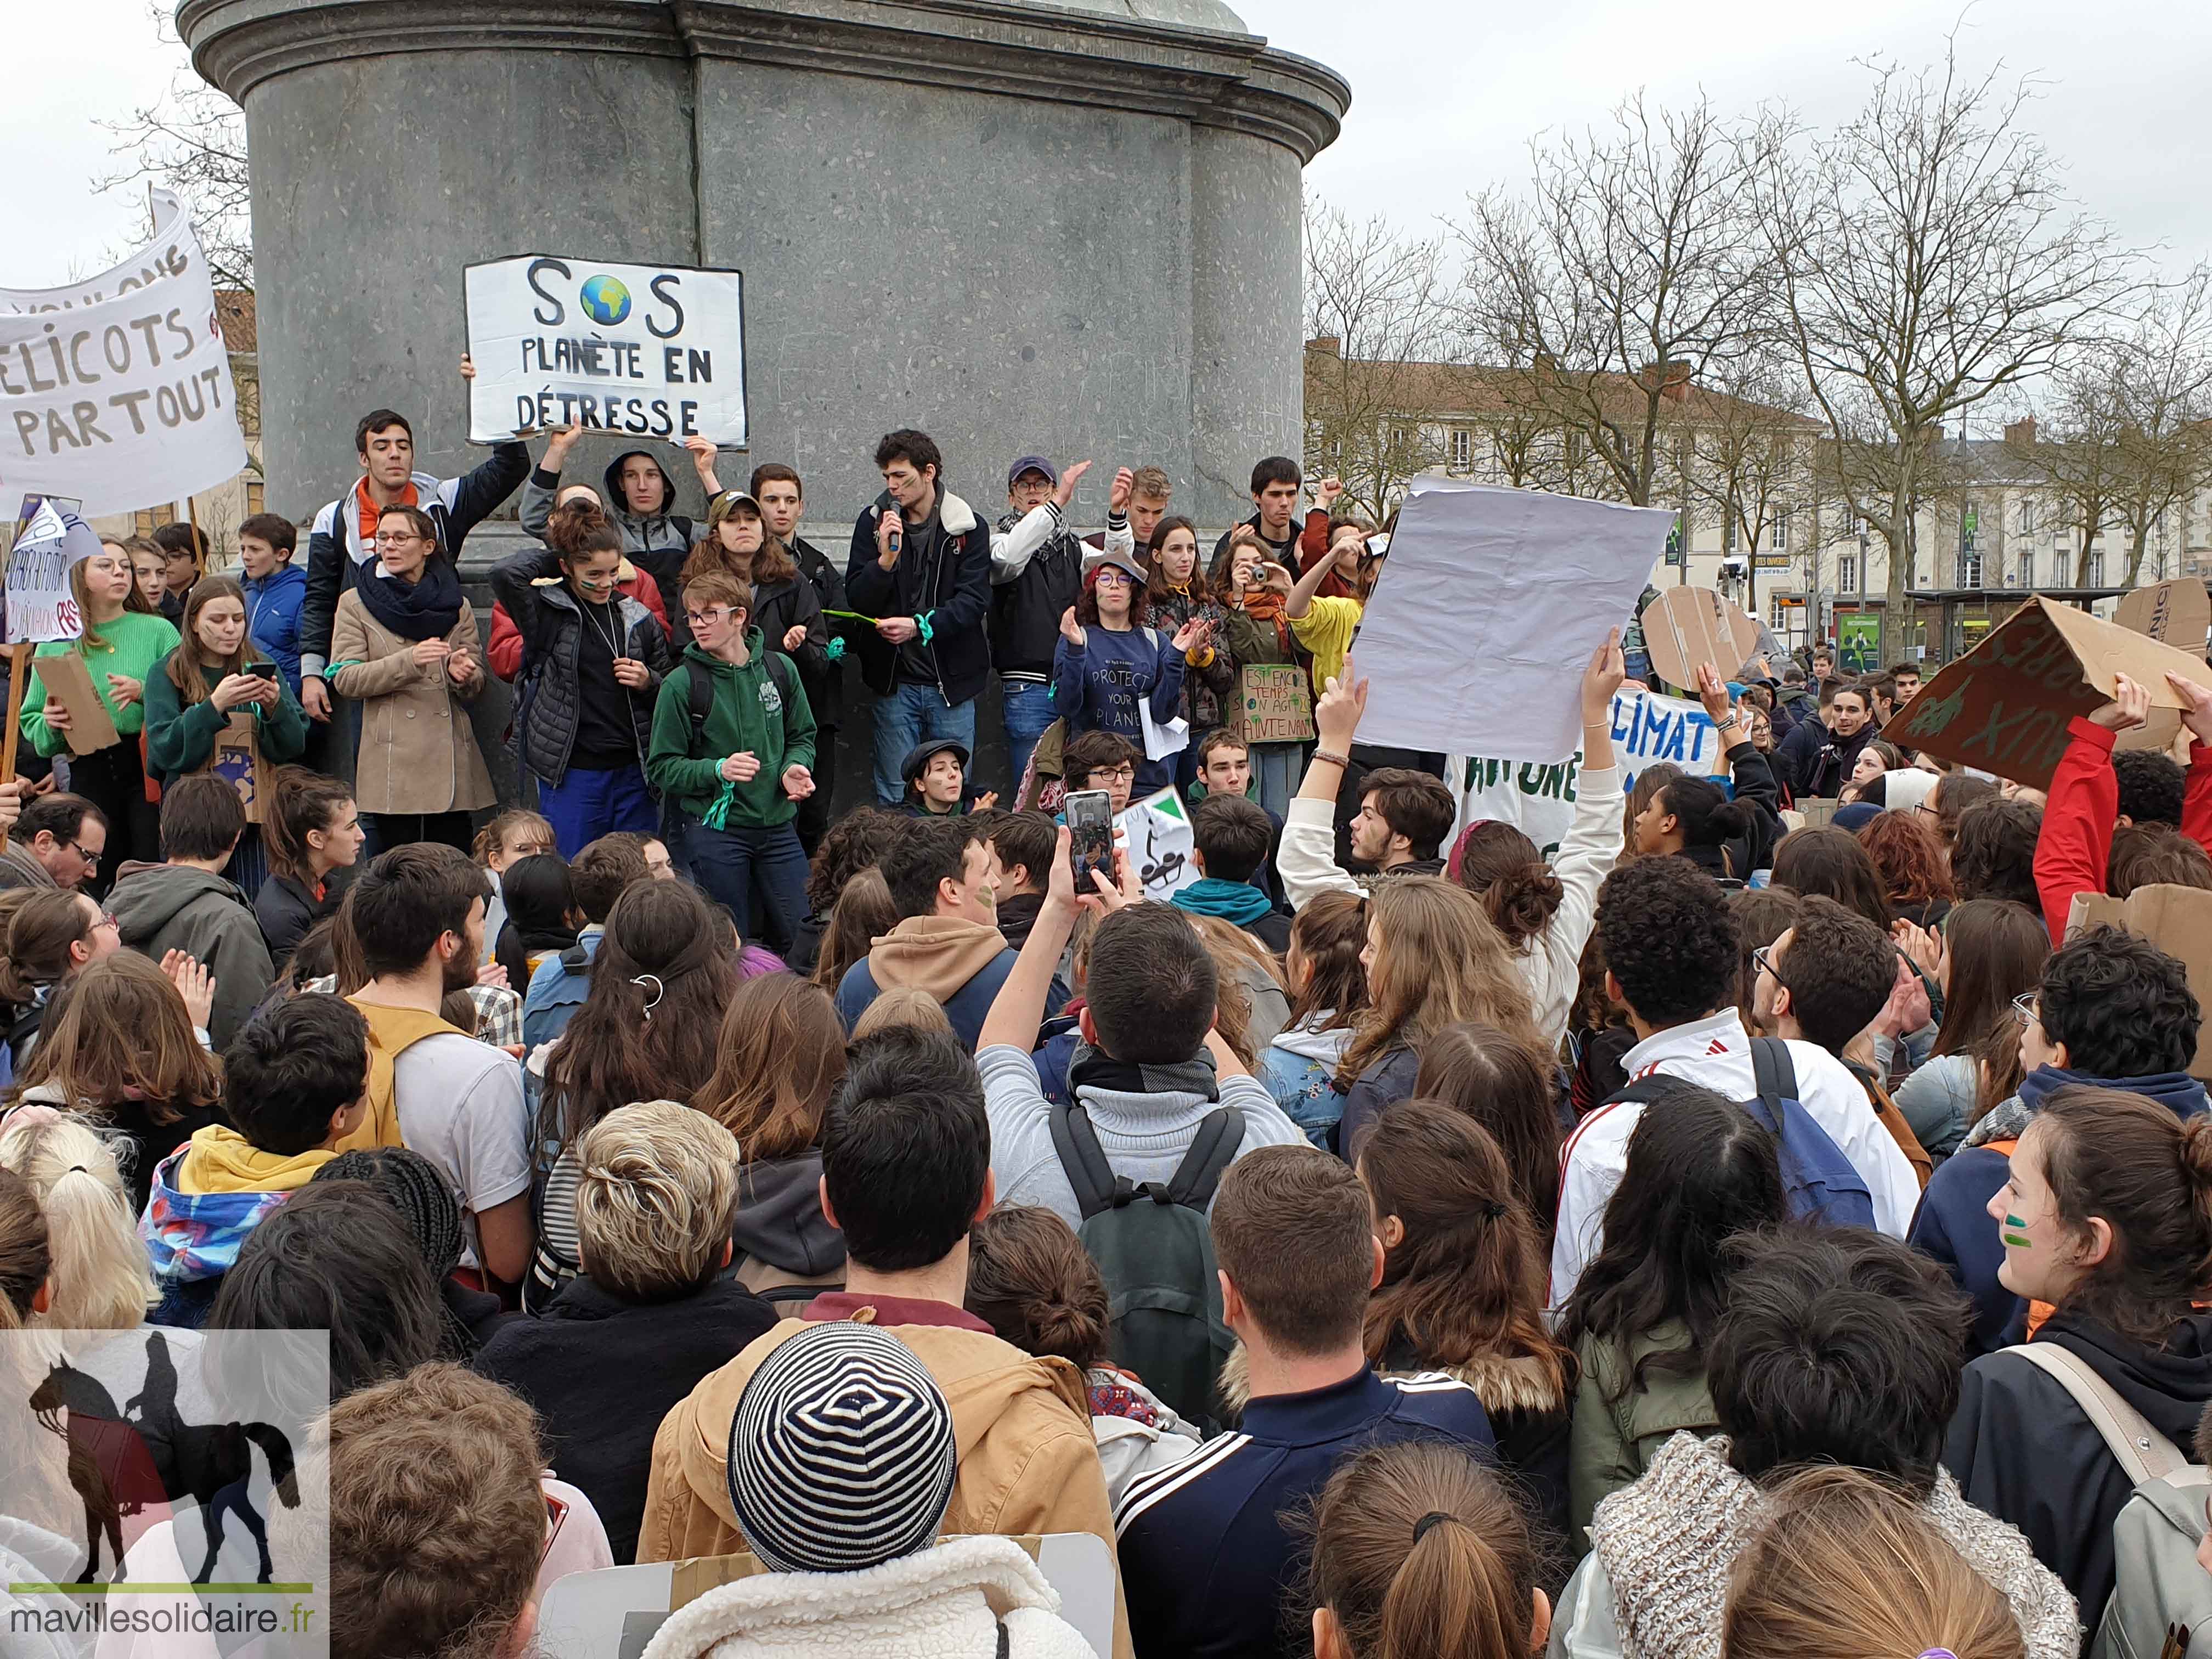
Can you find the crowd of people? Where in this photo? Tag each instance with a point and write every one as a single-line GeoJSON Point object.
{"type": "Point", "coordinates": [1715, 1234]}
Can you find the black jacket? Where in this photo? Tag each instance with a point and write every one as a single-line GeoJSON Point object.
{"type": "Point", "coordinates": [1814, 762]}
{"type": "Point", "coordinates": [656, 543]}
{"type": "Point", "coordinates": [548, 701]}
{"type": "Point", "coordinates": [1025, 612]}
{"type": "Point", "coordinates": [825, 686]}
{"type": "Point", "coordinates": [2022, 1450]}
{"type": "Point", "coordinates": [602, 1373]}
{"type": "Point", "coordinates": [951, 590]}
{"type": "Point", "coordinates": [286, 911]}
{"type": "Point", "coordinates": [779, 607]}
{"type": "Point", "coordinates": [336, 556]}
{"type": "Point", "coordinates": [780, 1220]}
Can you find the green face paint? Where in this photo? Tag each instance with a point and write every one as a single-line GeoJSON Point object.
{"type": "Point", "coordinates": [2016, 1233]}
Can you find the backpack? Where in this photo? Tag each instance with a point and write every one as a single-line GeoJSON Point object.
{"type": "Point", "coordinates": [1894, 1121]}
{"type": "Point", "coordinates": [2159, 1594]}
{"type": "Point", "coordinates": [702, 691]}
{"type": "Point", "coordinates": [1155, 1254]}
{"type": "Point", "coordinates": [1821, 1182]}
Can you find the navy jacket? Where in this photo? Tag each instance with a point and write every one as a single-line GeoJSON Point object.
{"type": "Point", "coordinates": [966, 1010]}
{"type": "Point", "coordinates": [1953, 1224]}
{"type": "Point", "coordinates": [1210, 1565]}
{"type": "Point", "coordinates": [272, 617]}
{"type": "Point", "coordinates": [951, 589]}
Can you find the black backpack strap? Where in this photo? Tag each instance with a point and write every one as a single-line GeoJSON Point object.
{"type": "Point", "coordinates": [701, 688]}
{"type": "Point", "coordinates": [1211, 1151]}
{"type": "Point", "coordinates": [1006, 1642]}
{"type": "Point", "coordinates": [1773, 1073]}
{"type": "Point", "coordinates": [1082, 1160]}
{"type": "Point", "coordinates": [1640, 1092]}
{"type": "Point", "coordinates": [779, 670]}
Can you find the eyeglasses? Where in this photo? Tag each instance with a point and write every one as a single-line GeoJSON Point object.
{"type": "Point", "coordinates": [389, 540]}
{"type": "Point", "coordinates": [2028, 1005]}
{"type": "Point", "coordinates": [1123, 774]}
{"type": "Point", "coordinates": [1763, 960]}
{"type": "Point", "coordinates": [77, 848]}
{"type": "Point", "coordinates": [701, 618]}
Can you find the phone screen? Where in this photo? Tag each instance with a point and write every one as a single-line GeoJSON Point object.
{"type": "Point", "coordinates": [262, 670]}
{"type": "Point", "coordinates": [1091, 836]}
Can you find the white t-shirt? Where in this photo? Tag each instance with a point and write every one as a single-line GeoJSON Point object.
{"type": "Point", "coordinates": [1716, 1052]}
{"type": "Point", "coordinates": [460, 1105]}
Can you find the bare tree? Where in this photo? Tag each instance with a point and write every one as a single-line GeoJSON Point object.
{"type": "Point", "coordinates": [193, 142]}
{"type": "Point", "coordinates": [1377, 322]}
{"type": "Point", "coordinates": [1927, 262]}
{"type": "Point", "coordinates": [1751, 458]}
{"type": "Point", "coordinates": [2077, 455]}
{"type": "Point", "coordinates": [2166, 398]}
{"type": "Point", "coordinates": [1628, 272]}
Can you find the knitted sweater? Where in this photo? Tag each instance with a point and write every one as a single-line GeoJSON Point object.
{"type": "Point", "coordinates": [1667, 1543]}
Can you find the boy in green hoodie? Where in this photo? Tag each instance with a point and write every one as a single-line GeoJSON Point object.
{"type": "Point", "coordinates": [734, 749]}
{"type": "Point", "coordinates": [296, 1082]}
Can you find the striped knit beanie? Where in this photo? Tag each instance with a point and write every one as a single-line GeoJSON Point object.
{"type": "Point", "coordinates": [841, 1453]}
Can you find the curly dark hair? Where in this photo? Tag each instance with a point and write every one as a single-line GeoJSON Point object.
{"type": "Point", "coordinates": [2151, 786]}
{"type": "Point", "coordinates": [1086, 602]}
{"type": "Point", "coordinates": [1994, 856]}
{"type": "Point", "coordinates": [2122, 1006]}
{"type": "Point", "coordinates": [1669, 939]}
{"type": "Point", "coordinates": [849, 846]}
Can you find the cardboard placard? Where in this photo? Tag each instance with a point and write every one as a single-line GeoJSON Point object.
{"type": "Point", "coordinates": [2176, 919]}
{"type": "Point", "coordinates": [238, 758]}
{"type": "Point", "coordinates": [2176, 613]}
{"type": "Point", "coordinates": [2003, 708]}
{"type": "Point", "coordinates": [68, 680]}
{"type": "Point", "coordinates": [1686, 628]}
{"type": "Point", "coordinates": [1276, 704]}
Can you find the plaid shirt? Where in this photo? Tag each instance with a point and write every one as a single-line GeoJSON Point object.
{"type": "Point", "coordinates": [499, 1011]}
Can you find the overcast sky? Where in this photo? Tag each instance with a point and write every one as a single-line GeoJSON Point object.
{"type": "Point", "coordinates": [1445, 95]}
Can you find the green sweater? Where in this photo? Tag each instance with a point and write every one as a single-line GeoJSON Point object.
{"type": "Point", "coordinates": [751, 712]}
{"type": "Point", "coordinates": [180, 737]}
{"type": "Point", "coordinates": [135, 642]}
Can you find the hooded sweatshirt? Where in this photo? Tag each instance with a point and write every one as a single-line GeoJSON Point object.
{"type": "Point", "coordinates": [960, 962]}
{"type": "Point", "coordinates": [780, 1234]}
{"type": "Point", "coordinates": [1299, 1068]}
{"type": "Point", "coordinates": [160, 908]}
{"type": "Point", "coordinates": [1239, 902]}
{"type": "Point", "coordinates": [209, 1197]}
{"type": "Point", "coordinates": [1953, 1226]}
{"type": "Point", "coordinates": [1021, 1425]}
{"type": "Point", "coordinates": [752, 711]}
{"type": "Point", "coordinates": [656, 542]}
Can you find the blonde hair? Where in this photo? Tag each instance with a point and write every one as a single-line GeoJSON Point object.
{"type": "Point", "coordinates": [102, 1281]}
{"type": "Point", "coordinates": [906, 1007]}
{"type": "Point", "coordinates": [656, 1194]}
{"type": "Point", "coordinates": [1439, 960]}
{"type": "Point", "coordinates": [1843, 1567]}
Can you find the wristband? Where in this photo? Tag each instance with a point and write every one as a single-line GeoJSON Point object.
{"type": "Point", "coordinates": [921, 626]}
{"type": "Point", "coordinates": [1332, 758]}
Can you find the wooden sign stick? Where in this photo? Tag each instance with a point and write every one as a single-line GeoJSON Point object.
{"type": "Point", "coordinates": [19, 665]}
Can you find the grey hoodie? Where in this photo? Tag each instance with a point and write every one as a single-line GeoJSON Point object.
{"type": "Point", "coordinates": [160, 908]}
{"type": "Point", "coordinates": [780, 1220]}
{"type": "Point", "coordinates": [20, 867]}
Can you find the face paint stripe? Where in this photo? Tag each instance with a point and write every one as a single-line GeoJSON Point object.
{"type": "Point", "coordinates": [2016, 1233]}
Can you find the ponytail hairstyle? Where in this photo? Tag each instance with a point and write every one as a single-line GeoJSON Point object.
{"type": "Point", "coordinates": [571, 520]}
{"type": "Point", "coordinates": [601, 537]}
{"type": "Point", "coordinates": [1512, 1091]}
{"type": "Point", "coordinates": [34, 947]}
{"type": "Point", "coordinates": [25, 1259]}
{"type": "Point", "coordinates": [101, 1277]}
{"type": "Point", "coordinates": [1420, 1553]}
{"type": "Point", "coordinates": [1840, 1566]}
{"type": "Point", "coordinates": [300, 802]}
{"type": "Point", "coordinates": [2115, 1157]}
{"type": "Point", "coordinates": [1649, 782]}
{"type": "Point", "coordinates": [1502, 867]}
{"type": "Point", "coordinates": [1032, 1282]}
{"type": "Point", "coordinates": [1329, 933]}
{"type": "Point", "coordinates": [1704, 812]}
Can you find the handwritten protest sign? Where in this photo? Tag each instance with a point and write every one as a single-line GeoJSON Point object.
{"type": "Point", "coordinates": [1539, 796]}
{"type": "Point", "coordinates": [123, 400]}
{"type": "Point", "coordinates": [1489, 606]}
{"type": "Point", "coordinates": [2003, 706]}
{"type": "Point", "coordinates": [40, 605]}
{"type": "Point", "coordinates": [2176, 613]}
{"type": "Point", "coordinates": [648, 351]}
{"type": "Point", "coordinates": [1277, 704]}
{"type": "Point", "coordinates": [1159, 843]}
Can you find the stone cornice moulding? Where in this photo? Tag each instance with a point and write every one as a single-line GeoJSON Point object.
{"type": "Point", "coordinates": [1058, 54]}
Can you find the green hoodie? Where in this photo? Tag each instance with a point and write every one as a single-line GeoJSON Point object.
{"type": "Point", "coordinates": [750, 712]}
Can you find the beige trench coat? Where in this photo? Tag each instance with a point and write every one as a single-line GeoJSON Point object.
{"type": "Point", "coordinates": [418, 752]}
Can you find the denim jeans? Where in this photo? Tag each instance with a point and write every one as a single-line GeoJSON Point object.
{"type": "Point", "coordinates": [731, 865]}
{"type": "Point", "coordinates": [1027, 705]}
{"type": "Point", "coordinates": [913, 715]}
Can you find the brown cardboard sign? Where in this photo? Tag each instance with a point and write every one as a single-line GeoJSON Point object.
{"type": "Point", "coordinates": [68, 680]}
{"type": "Point", "coordinates": [2176, 919]}
{"type": "Point", "coordinates": [2003, 706]}
{"type": "Point", "coordinates": [2176, 613]}
{"type": "Point", "coordinates": [238, 758]}
{"type": "Point", "coordinates": [1685, 628]}
{"type": "Point", "coordinates": [1276, 705]}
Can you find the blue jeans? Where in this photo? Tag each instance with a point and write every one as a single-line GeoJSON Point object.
{"type": "Point", "coordinates": [1275, 770]}
{"type": "Point", "coordinates": [913, 715]}
{"type": "Point", "coordinates": [732, 864]}
{"type": "Point", "coordinates": [1028, 708]}
{"type": "Point", "coordinates": [586, 805]}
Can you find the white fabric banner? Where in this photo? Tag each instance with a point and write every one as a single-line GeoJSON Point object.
{"type": "Point", "coordinates": [172, 251]}
{"type": "Point", "coordinates": [1490, 605]}
{"type": "Point", "coordinates": [1159, 843]}
{"type": "Point", "coordinates": [122, 401]}
{"type": "Point", "coordinates": [647, 351]}
{"type": "Point", "coordinates": [1538, 797]}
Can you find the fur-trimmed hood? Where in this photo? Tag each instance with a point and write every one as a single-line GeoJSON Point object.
{"type": "Point", "coordinates": [1504, 1382]}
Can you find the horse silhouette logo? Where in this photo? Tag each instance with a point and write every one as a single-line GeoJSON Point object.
{"type": "Point", "coordinates": [122, 1462]}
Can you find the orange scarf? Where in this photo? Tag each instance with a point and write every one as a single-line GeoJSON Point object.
{"type": "Point", "coordinates": [366, 506]}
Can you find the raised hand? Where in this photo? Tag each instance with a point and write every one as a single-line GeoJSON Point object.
{"type": "Point", "coordinates": [2128, 708]}
{"type": "Point", "coordinates": [2195, 707]}
{"type": "Point", "coordinates": [1337, 714]}
{"type": "Point", "coordinates": [1712, 692]}
{"type": "Point", "coordinates": [1604, 676]}
{"type": "Point", "coordinates": [193, 982]}
{"type": "Point", "coordinates": [1064, 491]}
{"type": "Point", "coordinates": [1118, 492]}
{"type": "Point", "coordinates": [1072, 630]}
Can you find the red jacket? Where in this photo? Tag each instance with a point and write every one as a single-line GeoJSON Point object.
{"type": "Point", "coordinates": [1313, 548]}
{"type": "Point", "coordinates": [2074, 849]}
{"type": "Point", "coordinates": [505, 651]}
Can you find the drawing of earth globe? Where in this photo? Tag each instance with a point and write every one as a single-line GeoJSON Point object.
{"type": "Point", "coordinates": [604, 300]}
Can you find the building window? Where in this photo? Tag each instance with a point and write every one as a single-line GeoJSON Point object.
{"type": "Point", "coordinates": [2096, 566]}
{"type": "Point", "coordinates": [2027, 567]}
{"type": "Point", "coordinates": [1847, 573]}
{"type": "Point", "coordinates": [1778, 616]}
{"type": "Point", "coordinates": [1780, 532]}
{"type": "Point", "coordinates": [1462, 448]}
{"type": "Point", "coordinates": [2027, 517]}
